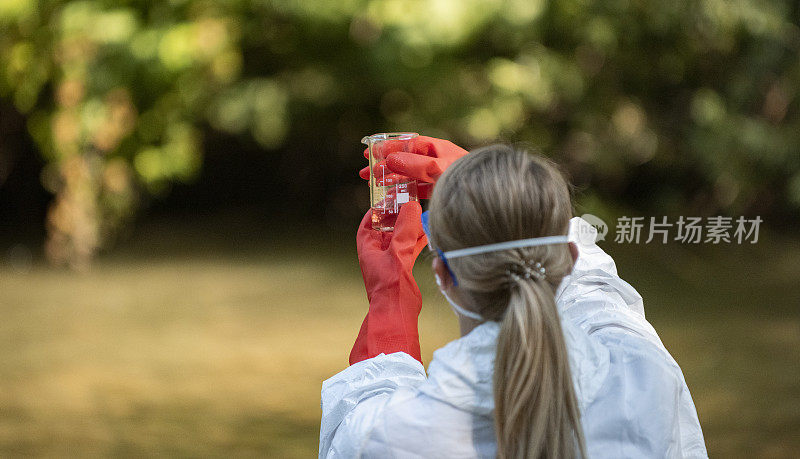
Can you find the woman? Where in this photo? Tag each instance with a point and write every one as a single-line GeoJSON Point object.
{"type": "Point", "coordinates": [556, 358]}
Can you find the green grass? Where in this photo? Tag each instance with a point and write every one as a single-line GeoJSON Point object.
{"type": "Point", "coordinates": [209, 352]}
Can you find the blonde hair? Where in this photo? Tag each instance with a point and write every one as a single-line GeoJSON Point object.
{"type": "Point", "coordinates": [498, 194]}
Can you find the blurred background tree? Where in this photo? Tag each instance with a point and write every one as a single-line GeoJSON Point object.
{"type": "Point", "coordinates": [668, 107]}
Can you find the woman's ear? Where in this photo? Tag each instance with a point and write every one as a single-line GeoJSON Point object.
{"type": "Point", "coordinates": [573, 249]}
{"type": "Point", "coordinates": [442, 273]}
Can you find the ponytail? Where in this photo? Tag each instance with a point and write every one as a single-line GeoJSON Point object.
{"type": "Point", "coordinates": [498, 194]}
{"type": "Point", "coordinates": [536, 410]}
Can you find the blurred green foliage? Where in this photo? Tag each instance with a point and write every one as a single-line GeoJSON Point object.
{"type": "Point", "coordinates": [690, 104]}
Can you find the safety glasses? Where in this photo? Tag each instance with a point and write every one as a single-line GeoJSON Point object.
{"type": "Point", "coordinates": [465, 252]}
{"type": "Point", "coordinates": [427, 231]}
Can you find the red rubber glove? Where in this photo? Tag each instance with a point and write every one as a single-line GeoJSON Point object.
{"type": "Point", "coordinates": [430, 158]}
{"type": "Point", "coordinates": [386, 259]}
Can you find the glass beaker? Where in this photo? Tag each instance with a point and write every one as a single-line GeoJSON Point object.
{"type": "Point", "coordinates": [388, 191]}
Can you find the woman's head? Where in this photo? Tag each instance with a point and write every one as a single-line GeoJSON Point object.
{"type": "Point", "coordinates": [498, 194]}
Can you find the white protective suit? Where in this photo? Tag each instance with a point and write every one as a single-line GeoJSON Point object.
{"type": "Point", "coordinates": [633, 399]}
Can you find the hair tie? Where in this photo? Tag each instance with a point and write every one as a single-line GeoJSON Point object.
{"type": "Point", "coordinates": [527, 270]}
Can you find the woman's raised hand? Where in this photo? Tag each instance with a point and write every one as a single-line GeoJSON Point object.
{"type": "Point", "coordinates": [387, 259]}
{"type": "Point", "coordinates": [428, 160]}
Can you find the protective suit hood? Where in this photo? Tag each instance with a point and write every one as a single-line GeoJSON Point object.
{"type": "Point", "coordinates": [461, 373]}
